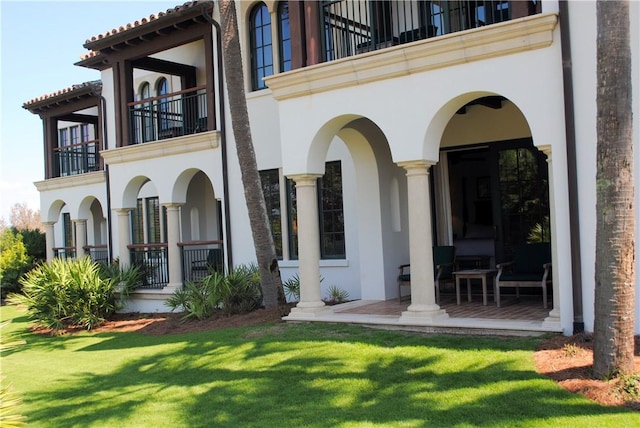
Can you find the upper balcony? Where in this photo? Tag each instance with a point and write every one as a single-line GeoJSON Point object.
{"type": "Point", "coordinates": [355, 27]}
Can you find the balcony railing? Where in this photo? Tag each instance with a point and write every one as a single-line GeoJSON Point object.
{"type": "Point", "coordinates": [352, 27]}
{"type": "Point", "coordinates": [97, 253]}
{"type": "Point", "coordinates": [76, 158]}
{"type": "Point", "coordinates": [167, 116]}
{"type": "Point", "coordinates": [66, 253]}
{"type": "Point", "coordinates": [200, 258]}
{"type": "Point", "coordinates": [152, 261]}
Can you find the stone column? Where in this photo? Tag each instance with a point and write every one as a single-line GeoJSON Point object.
{"type": "Point", "coordinates": [423, 298]}
{"type": "Point", "coordinates": [50, 239]}
{"type": "Point", "coordinates": [173, 251]}
{"type": "Point", "coordinates": [124, 235]}
{"type": "Point", "coordinates": [308, 245]}
{"type": "Point", "coordinates": [81, 237]}
{"type": "Point", "coordinates": [554, 315]}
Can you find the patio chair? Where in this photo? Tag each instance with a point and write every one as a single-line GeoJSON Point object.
{"type": "Point", "coordinates": [443, 263]}
{"type": "Point", "coordinates": [531, 267]}
{"type": "Point", "coordinates": [213, 262]}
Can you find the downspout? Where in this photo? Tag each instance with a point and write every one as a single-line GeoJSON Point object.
{"type": "Point", "coordinates": [103, 101]}
{"type": "Point", "coordinates": [223, 137]}
{"type": "Point", "coordinates": [570, 133]}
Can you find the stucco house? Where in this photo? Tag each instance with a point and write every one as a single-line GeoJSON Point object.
{"type": "Point", "coordinates": [382, 129]}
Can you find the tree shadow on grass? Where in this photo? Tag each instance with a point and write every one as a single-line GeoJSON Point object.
{"type": "Point", "coordinates": [314, 376]}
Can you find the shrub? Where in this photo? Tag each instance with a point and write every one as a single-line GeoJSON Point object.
{"type": "Point", "coordinates": [14, 261]}
{"type": "Point", "coordinates": [292, 288]}
{"type": "Point", "coordinates": [237, 292]}
{"type": "Point", "coordinates": [336, 295]}
{"type": "Point", "coordinates": [73, 292]}
{"type": "Point", "coordinates": [243, 292]}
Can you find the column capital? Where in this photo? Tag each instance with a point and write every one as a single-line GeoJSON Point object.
{"type": "Point", "coordinates": [48, 223]}
{"type": "Point", "coordinates": [172, 205]}
{"type": "Point", "coordinates": [122, 211]}
{"type": "Point", "coordinates": [546, 149]}
{"type": "Point", "coordinates": [416, 166]}
{"type": "Point", "coordinates": [304, 179]}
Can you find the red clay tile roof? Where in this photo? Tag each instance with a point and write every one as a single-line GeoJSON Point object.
{"type": "Point", "coordinates": [145, 21]}
{"type": "Point", "coordinates": [94, 86]}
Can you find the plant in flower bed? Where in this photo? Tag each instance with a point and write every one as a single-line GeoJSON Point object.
{"type": "Point", "coordinates": [235, 293]}
{"type": "Point", "coordinates": [78, 292]}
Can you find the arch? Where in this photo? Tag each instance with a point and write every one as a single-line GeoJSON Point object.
{"type": "Point", "coordinates": [320, 144]}
{"type": "Point", "coordinates": [84, 210]}
{"type": "Point", "coordinates": [53, 213]}
{"type": "Point", "coordinates": [131, 190]}
{"type": "Point", "coordinates": [179, 190]}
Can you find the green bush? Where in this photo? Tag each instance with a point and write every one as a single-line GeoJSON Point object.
{"type": "Point", "coordinates": [292, 288]}
{"type": "Point", "coordinates": [243, 292]}
{"type": "Point", "coordinates": [14, 261]}
{"type": "Point", "coordinates": [237, 292]}
{"type": "Point", "coordinates": [74, 292]}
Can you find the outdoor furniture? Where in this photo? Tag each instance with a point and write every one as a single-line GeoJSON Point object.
{"type": "Point", "coordinates": [443, 262]}
{"type": "Point", "coordinates": [531, 267]}
{"type": "Point", "coordinates": [470, 274]}
{"type": "Point", "coordinates": [213, 262]}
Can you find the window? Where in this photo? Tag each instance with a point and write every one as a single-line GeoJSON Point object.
{"type": "Point", "coordinates": [153, 221]}
{"type": "Point", "coordinates": [163, 105]}
{"type": "Point", "coordinates": [284, 36]}
{"type": "Point", "coordinates": [137, 224]}
{"type": "Point", "coordinates": [271, 189]}
{"type": "Point", "coordinates": [330, 211]}
{"type": "Point", "coordinates": [68, 230]}
{"type": "Point", "coordinates": [261, 46]}
{"type": "Point", "coordinates": [63, 137]}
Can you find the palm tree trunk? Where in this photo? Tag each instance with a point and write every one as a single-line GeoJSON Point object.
{"type": "Point", "coordinates": [234, 77]}
{"type": "Point", "coordinates": [615, 234]}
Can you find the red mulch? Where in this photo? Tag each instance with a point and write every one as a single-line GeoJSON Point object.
{"type": "Point", "coordinates": [567, 360]}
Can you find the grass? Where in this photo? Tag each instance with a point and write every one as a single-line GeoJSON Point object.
{"type": "Point", "coordinates": [298, 375]}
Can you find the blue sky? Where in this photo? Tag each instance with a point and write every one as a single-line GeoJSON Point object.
{"type": "Point", "coordinates": [39, 43]}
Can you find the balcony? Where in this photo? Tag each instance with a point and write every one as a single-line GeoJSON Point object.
{"type": "Point", "coordinates": [355, 27]}
{"type": "Point", "coordinates": [76, 159]}
{"type": "Point", "coordinates": [168, 116]}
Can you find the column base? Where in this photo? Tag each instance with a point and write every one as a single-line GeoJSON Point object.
{"type": "Point", "coordinates": [553, 320]}
{"type": "Point", "coordinates": [423, 313]}
{"type": "Point", "coordinates": [306, 309]}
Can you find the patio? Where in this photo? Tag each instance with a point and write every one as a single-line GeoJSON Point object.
{"type": "Point", "coordinates": [523, 317]}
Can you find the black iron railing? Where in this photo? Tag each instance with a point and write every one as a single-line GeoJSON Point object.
{"type": "Point", "coordinates": [152, 261]}
{"type": "Point", "coordinates": [97, 253]}
{"type": "Point", "coordinates": [77, 158]}
{"type": "Point", "coordinates": [200, 258]}
{"type": "Point", "coordinates": [66, 253]}
{"type": "Point", "coordinates": [353, 27]}
{"type": "Point", "coordinates": [167, 116]}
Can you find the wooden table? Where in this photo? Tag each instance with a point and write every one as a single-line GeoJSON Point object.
{"type": "Point", "coordinates": [470, 274]}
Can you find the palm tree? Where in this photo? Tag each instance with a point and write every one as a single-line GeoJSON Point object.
{"type": "Point", "coordinates": [270, 280]}
{"type": "Point", "coordinates": [615, 275]}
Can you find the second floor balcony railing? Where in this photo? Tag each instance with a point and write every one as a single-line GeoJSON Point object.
{"type": "Point", "coordinates": [77, 158]}
{"type": "Point", "coordinates": [352, 27]}
{"type": "Point", "coordinates": [167, 116]}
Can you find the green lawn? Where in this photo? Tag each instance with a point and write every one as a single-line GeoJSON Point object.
{"type": "Point", "coordinates": [285, 375]}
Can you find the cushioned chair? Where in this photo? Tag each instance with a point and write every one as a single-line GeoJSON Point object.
{"type": "Point", "coordinates": [443, 263]}
{"type": "Point", "coordinates": [531, 267]}
{"type": "Point", "coordinates": [213, 262]}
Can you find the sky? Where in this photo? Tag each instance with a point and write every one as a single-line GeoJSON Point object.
{"type": "Point", "coordinates": [39, 43]}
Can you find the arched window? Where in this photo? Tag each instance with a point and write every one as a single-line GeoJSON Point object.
{"type": "Point", "coordinates": [284, 36]}
{"type": "Point", "coordinates": [261, 45]}
{"type": "Point", "coordinates": [145, 120]}
{"type": "Point", "coordinates": [162, 88]}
